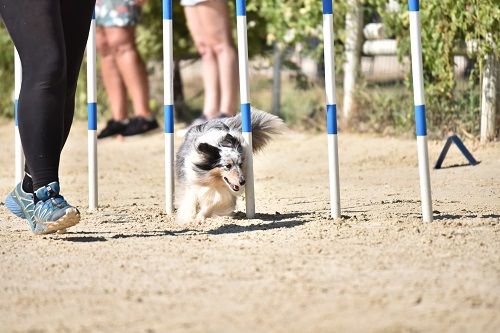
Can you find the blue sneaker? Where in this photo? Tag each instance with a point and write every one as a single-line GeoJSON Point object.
{"type": "Point", "coordinates": [21, 204]}
{"type": "Point", "coordinates": [52, 212]}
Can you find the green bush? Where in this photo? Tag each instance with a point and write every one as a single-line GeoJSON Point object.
{"type": "Point", "coordinates": [447, 27]}
{"type": "Point", "coordinates": [7, 74]}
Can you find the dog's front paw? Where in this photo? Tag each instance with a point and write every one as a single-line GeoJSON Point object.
{"type": "Point", "coordinates": [202, 216]}
{"type": "Point", "coordinates": [186, 213]}
{"type": "Point", "coordinates": [183, 219]}
{"type": "Point", "coordinates": [199, 219]}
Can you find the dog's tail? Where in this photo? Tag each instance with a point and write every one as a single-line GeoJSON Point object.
{"type": "Point", "coordinates": [263, 126]}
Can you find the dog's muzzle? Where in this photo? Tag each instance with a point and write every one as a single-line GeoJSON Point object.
{"type": "Point", "coordinates": [234, 187]}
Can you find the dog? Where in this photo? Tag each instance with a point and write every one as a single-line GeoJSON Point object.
{"type": "Point", "coordinates": [210, 164]}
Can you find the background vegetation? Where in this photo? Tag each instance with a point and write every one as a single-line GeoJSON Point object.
{"type": "Point", "coordinates": [449, 27]}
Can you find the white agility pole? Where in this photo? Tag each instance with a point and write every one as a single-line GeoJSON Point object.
{"type": "Point", "coordinates": [168, 104]}
{"type": "Point", "coordinates": [19, 154]}
{"type": "Point", "coordinates": [92, 116]}
{"type": "Point", "coordinates": [246, 120]}
{"type": "Point", "coordinates": [420, 121]}
{"type": "Point", "coordinates": [331, 109]}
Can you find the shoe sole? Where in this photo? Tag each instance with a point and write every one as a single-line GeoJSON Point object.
{"type": "Point", "coordinates": [108, 136]}
{"type": "Point", "coordinates": [15, 208]}
{"type": "Point", "coordinates": [145, 133]}
{"type": "Point", "coordinates": [70, 218]}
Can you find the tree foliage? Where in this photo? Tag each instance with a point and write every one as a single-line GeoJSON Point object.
{"type": "Point", "coordinates": [298, 25]}
{"type": "Point", "coordinates": [449, 27]}
{"type": "Point", "coordinates": [150, 32]}
{"type": "Point", "coordinates": [6, 74]}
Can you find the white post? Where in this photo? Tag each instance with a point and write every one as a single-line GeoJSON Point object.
{"type": "Point", "coordinates": [489, 103]}
{"type": "Point", "coordinates": [331, 109]}
{"type": "Point", "coordinates": [19, 154]}
{"type": "Point", "coordinates": [420, 121]}
{"type": "Point", "coordinates": [353, 29]}
{"type": "Point", "coordinates": [92, 116]}
{"type": "Point", "coordinates": [246, 124]}
{"type": "Point", "coordinates": [168, 104]}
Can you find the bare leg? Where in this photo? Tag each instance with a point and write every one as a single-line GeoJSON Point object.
{"type": "Point", "coordinates": [111, 77]}
{"type": "Point", "coordinates": [211, 106]}
{"type": "Point", "coordinates": [214, 19]}
{"type": "Point", "coordinates": [122, 43]}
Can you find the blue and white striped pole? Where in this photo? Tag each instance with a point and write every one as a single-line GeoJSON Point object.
{"type": "Point", "coordinates": [420, 122]}
{"type": "Point", "coordinates": [19, 154]}
{"type": "Point", "coordinates": [168, 104]}
{"type": "Point", "coordinates": [246, 123]}
{"type": "Point", "coordinates": [331, 109]}
{"type": "Point", "coordinates": [92, 116]}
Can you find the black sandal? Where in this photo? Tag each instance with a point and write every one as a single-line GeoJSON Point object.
{"type": "Point", "coordinates": [140, 125]}
{"type": "Point", "coordinates": [112, 128]}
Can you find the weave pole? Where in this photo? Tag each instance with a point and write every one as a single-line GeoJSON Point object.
{"type": "Point", "coordinates": [92, 116]}
{"type": "Point", "coordinates": [419, 102]}
{"type": "Point", "coordinates": [246, 119]}
{"type": "Point", "coordinates": [19, 154]}
{"type": "Point", "coordinates": [168, 104]}
{"type": "Point", "coordinates": [331, 109]}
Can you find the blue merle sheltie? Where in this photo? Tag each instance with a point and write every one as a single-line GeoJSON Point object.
{"type": "Point", "coordinates": [210, 164]}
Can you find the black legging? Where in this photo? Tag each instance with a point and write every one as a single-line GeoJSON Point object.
{"type": "Point", "coordinates": [50, 36]}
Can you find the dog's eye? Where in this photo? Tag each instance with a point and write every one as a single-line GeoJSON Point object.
{"type": "Point", "coordinates": [228, 166]}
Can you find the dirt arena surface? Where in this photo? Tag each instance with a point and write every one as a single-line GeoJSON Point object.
{"type": "Point", "coordinates": [129, 268]}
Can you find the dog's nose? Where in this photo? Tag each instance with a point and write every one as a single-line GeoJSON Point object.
{"type": "Point", "coordinates": [242, 182]}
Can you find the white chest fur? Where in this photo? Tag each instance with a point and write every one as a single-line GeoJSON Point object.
{"type": "Point", "coordinates": [215, 200]}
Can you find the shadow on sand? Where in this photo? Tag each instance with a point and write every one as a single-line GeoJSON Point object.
{"type": "Point", "coordinates": [457, 165]}
{"type": "Point", "coordinates": [83, 239]}
{"type": "Point", "coordinates": [274, 221]}
{"type": "Point", "coordinates": [277, 221]}
{"type": "Point", "coordinates": [465, 216]}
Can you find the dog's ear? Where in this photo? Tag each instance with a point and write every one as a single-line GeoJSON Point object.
{"type": "Point", "coordinates": [227, 141]}
{"type": "Point", "coordinates": [230, 141]}
{"type": "Point", "coordinates": [208, 149]}
{"type": "Point", "coordinates": [210, 156]}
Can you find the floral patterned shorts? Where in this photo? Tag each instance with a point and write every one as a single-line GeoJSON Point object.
{"type": "Point", "coordinates": [116, 13]}
{"type": "Point", "coordinates": [191, 2]}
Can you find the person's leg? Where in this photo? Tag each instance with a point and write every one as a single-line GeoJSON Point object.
{"type": "Point", "coordinates": [214, 19]}
{"type": "Point", "coordinates": [121, 41]}
{"type": "Point", "coordinates": [36, 29]}
{"type": "Point", "coordinates": [76, 16]}
{"type": "Point", "coordinates": [75, 22]}
{"type": "Point", "coordinates": [211, 106]}
{"type": "Point", "coordinates": [111, 77]}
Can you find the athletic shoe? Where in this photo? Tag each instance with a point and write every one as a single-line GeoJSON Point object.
{"type": "Point", "coordinates": [21, 204]}
{"type": "Point", "coordinates": [112, 128]}
{"type": "Point", "coordinates": [52, 212]}
{"type": "Point", "coordinates": [140, 125]}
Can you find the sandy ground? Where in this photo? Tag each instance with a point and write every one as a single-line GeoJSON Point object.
{"type": "Point", "coordinates": [128, 267]}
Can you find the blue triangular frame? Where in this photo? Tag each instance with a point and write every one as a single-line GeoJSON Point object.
{"type": "Point", "coordinates": [460, 145]}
